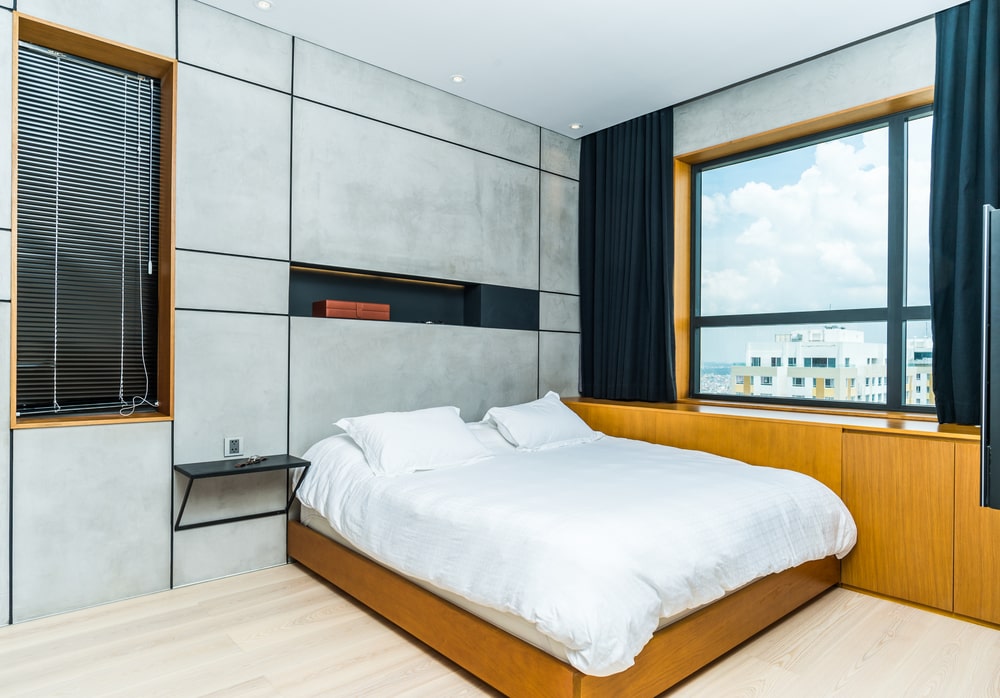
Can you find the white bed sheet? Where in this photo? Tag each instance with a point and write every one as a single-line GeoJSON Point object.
{"type": "Point", "coordinates": [591, 544]}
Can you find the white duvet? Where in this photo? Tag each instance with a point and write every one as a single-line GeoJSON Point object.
{"type": "Point", "coordinates": [594, 543]}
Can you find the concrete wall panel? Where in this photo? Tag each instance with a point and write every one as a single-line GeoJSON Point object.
{"type": "Point", "coordinates": [6, 94]}
{"type": "Point", "coordinates": [232, 166]}
{"type": "Point", "coordinates": [559, 266]}
{"type": "Point", "coordinates": [230, 380]}
{"type": "Point", "coordinates": [217, 551]}
{"type": "Point", "coordinates": [332, 78]}
{"type": "Point", "coordinates": [559, 312]}
{"type": "Point", "coordinates": [148, 25]}
{"type": "Point", "coordinates": [885, 66]}
{"type": "Point", "coordinates": [559, 363]}
{"type": "Point", "coordinates": [4, 466]}
{"type": "Point", "coordinates": [228, 44]}
{"type": "Point", "coordinates": [560, 154]}
{"type": "Point", "coordinates": [375, 197]}
{"type": "Point", "coordinates": [341, 368]}
{"type": "Point", "coordinates": [91, 515]}
{"type": "Point", "coordinates": [5, 253]}
{"type": "Point", "coordinates": [222, 282]}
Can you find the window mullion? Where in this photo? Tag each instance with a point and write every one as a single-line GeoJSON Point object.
{"type": "Point", "coordinates": [896, 276]}
{"type": "Point", "coordinates": [737, 294]}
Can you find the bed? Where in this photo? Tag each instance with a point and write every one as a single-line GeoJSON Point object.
{"type": "Point", "coordinates": [602, 566]}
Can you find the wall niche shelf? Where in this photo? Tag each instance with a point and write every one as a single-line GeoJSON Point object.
{"type": "Point", "coordinates": [415, 299]}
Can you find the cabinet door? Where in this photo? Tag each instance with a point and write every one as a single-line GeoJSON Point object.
{"type": "Point", "coordinates": [977, 542]}
{"type": "Point", "coordinates": [901, 494]}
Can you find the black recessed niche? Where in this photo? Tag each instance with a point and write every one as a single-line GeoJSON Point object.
{"type": "Point", "coordinates": [415, 299]}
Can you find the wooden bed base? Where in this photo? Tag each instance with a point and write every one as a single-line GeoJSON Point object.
{"type": "Point", "coordinates": [517, 668]}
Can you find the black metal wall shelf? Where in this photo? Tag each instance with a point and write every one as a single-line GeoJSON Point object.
{"type": "Point", "coordinates": [415, 299]}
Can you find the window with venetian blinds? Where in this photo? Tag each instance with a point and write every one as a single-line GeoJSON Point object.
{"type": "Point", "coordinates": [88, 169]}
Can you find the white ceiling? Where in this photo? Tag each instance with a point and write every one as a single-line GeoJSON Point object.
{"type": "Point", "coordinates": [593, 62]}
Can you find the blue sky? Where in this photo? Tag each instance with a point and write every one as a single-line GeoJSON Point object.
{"type": "Point", "coordinates": [806, 230]}
{"type": "Point", "coordinates": [777, 170]}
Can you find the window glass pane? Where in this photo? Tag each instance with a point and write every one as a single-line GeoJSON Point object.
{"type": "Point", "coordinates": [833, 362]}
{"type": "Point", "coordinates": [800, 230]}
{"type": "Point", "coordinates": [918, 201]}
{"type": "Point", "coordinates": [918, 383]}
{"type": "Point", "coordinates": [87, 235]}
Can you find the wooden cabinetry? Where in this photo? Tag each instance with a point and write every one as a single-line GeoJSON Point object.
{"type": "Point", "coordinates": [912, 487]}
{"type": "Point", "coordinates": [807, 448]}
{"type": "Point", "coordinates": [977, 542]}
{"type": "Point", "coordinates": [900, 491]}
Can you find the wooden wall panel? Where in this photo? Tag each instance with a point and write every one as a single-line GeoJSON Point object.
{"type": "Point", "coordinates": [977, 542]}
{"type": "Point", "coordinates": [912, 487]}
{"type": "Point", "coordinates": [901, 493]}
{"type": "Point", "coordinates": [813, 449]}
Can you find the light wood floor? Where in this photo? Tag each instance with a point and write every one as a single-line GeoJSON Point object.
{"type": "Point", "coordinates": [283, 632]}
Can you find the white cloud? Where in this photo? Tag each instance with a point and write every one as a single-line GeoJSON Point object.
{"type": "Point", "coordinates": [760, 233]}
{"type": "Point", "coordinates": [815, 239]}
{"type": "Point", "coordinates": [710, 209]}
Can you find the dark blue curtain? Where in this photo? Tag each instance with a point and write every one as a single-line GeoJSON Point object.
{"type": "Point", "coordinates": [965, 174]}
{"type": "Point", "coordinates": [626, 261]}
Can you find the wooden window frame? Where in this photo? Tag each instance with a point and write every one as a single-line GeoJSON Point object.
{"type": "Point", "coordinates": [683, 206]}
{"type": "Point", "coordinates": [101, 50]}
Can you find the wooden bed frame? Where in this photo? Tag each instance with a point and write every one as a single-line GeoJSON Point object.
{"type": "Point", "coordinates": [517, 668]}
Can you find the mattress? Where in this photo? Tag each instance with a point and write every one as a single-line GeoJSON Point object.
{"type": "Point", "coordinates": [581, 550]}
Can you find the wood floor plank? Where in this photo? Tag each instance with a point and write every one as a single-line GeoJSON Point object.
{"type": "Point", "coordinates": [284, 633]}
{"type": "Point", "coordinates": [852, 645]}
{"type": "Point", "coordinates": [146, 627]}
{"type": "Point", "coordinates": [254, 688]}
{"type": "Point", "coordinates": [83, 624]}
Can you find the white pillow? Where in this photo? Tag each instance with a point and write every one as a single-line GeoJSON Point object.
{"type": "Point", "coordinates": [404, 442]}
{"type": "Point", "coordinates": [544, 423]}
{"type": "Point", "coordinates": [490, 437]}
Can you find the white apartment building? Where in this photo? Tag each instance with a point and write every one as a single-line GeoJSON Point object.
{"type": "Point", "coordinates": [919, 376]}
{"type": "Point", "coordinates": [830, 363]}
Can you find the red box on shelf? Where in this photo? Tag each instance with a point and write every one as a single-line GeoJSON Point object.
{"type": "Point", "coordinates": [342, 309]}
{"type": "Point", "coordinates": [373, 311]}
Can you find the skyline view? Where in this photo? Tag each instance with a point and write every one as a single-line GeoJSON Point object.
{"type": "Point", "coordinates": [806, 230]}
{"type": "Point", "coordinates": [832, 362]}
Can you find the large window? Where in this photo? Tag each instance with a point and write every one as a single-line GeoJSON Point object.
{"type": "Point", "coordinates": [810, 269]}
{"type": "Point", "coordinates": [92, 304]}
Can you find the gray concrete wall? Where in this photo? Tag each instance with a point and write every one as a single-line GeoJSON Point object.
{"type": "Point", "coordinates": [885, 66]}
{"type": "Point", "coordinates": [355, 167]}
{"type": "Point", "coordinates": [91, 516]}
{"type": "Point", "coordinates": [5, 494]}
{"type": "Point", "coordinates": [5, 250]}
{"type": "Point", "coordinates": [446, 211]}
{"type": "Point", "coordinates": [558, 266]}
{"type": "Point", "coordinates": [341, 368]}
{"type": "Point", "coordinates": [89, 506]}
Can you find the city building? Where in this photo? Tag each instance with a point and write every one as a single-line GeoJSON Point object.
{"type": "Point", "coordinates": [830, 363]}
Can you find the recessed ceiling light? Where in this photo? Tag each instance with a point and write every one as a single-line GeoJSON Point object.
{"type": "Point", "coordinates": [262, 4]}
{"type": "Point", "coordinates": [576, 127]}
{"type": "Point", "coordinates": [456, 78]}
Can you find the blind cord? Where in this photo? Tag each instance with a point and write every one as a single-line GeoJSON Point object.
{"type": "Point", "coordinates": [127, 409]}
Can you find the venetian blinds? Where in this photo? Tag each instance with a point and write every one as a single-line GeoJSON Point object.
{"type": "Point", "coordinates": [87, 235]}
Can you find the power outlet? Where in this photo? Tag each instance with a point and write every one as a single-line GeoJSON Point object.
{"type": "Point", "coordinates": [233, 446]}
